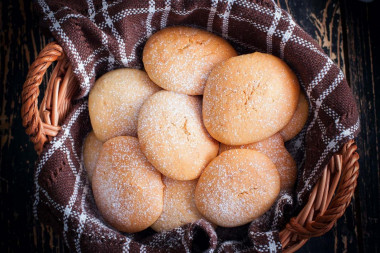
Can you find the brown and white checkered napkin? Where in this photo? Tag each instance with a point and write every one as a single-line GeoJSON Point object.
{"type": "Point", "coordinates": [101, 35]}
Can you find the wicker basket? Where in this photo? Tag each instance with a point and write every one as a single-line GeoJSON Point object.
{"type": "Point", "coordinates": [327, 202]}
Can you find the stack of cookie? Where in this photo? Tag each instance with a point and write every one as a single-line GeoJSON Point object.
{"type": "Point", "coordinates": [200, 134]}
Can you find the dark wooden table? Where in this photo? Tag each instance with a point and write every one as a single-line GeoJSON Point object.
{"type": "Point", "coordinates": [347, 31]}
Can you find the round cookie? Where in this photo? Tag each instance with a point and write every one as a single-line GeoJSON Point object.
{"type": "Point", "coordinates": [91, 149]}
{"type": "Point", "coordinates": [115, 100]}
{"type": "Point", "coordinates": [180, 58]}
{"type": "Point", "coordinates": [274, 148]}
{"type": "Point", "coordinates": [128, 191]}
{"type": "Point", "coordinates": [249, 98]}
{"type": "Point", "coordinates": [237, 186]}
{"type": "Point", "coordinates": [179, 206]}
{"type": "Point", "coordinates": [298, 120]}
{"type": "Point", "coordinates": [172, 135]}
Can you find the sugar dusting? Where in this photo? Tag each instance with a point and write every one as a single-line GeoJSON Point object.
{"type": "Point", "coordinates": [237, 187]}
{"type": "Point", "coordinates": [173, 137]}
{"type": "Point", "coordinates": [127, 189]}
{"type": "Point", "coordinates": [274, 148]}
{"type": "Point", "coordinates": [115, 101]}
{"type": "Point", "coordinates": [181, 58]}
{"type": "Point", "coordinates": [245, 100]}
{"type": "Point", "coordinates": [179, 206]}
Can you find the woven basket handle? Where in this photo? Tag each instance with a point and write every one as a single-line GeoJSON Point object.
{"type": "Point", "coordinates": [42, 124]}
{"type": "Point", "coordinates": [327, 202]}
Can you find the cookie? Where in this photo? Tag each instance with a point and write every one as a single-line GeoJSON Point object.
{"type": "Point", "coordinates": [298, 120]}
{"type": "Point", "coordinates": [128, 190]}
{"type": "Point", "coordinates": [173, 137]}
{"type": "Point", "coordinates": [180, 58]}
{"type": "Point", "coordinates": [274, 148]}
{"type": "Point", "coordinates": [179, 206]}
{"type": "Point", "coordinates": [115, 100]}
{"type": "Point", "coordinates": [91, 149]}
{"type": "Point", "coordinates": [237, 186]}
{"type": "Point", "coordinates": [249, 98]}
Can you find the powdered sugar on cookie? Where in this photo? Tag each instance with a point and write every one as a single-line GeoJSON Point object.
{"type": "Point", "coordinates": [249, 98]}
{"type": "Point", "coordinates": [179, 206]}
{"type": "Point", "coordinates": [127, 189]}
{"type": "Point", "coordinates": [180, 58]}
{"type": "Point", "coordinates": [274, 148]}
{"type": "Point", "coordinates": [172, 135]}
{"type": "Point", "coordinates": [115, 101]}
{"type": "Point", "coordinates": [237, 187]}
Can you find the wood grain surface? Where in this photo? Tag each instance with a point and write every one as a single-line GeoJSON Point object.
{"type": "Point", "coordinates": [346, 30]}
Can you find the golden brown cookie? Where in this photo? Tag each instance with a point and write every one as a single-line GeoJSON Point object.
{"type": "Point", "coordinates": [180, 58]}
{"type": "Point", "coordinates": [274, 148]}
{"type": "Point", "coordinates": [128, 190]}
{"type": "Point", "coordinates": [249, 98]}
{"type": "Point", "coordinates": [115, 100]}
{"type": "Point", "coordinates": [172, 135]}
{"type": "Point", "coordinates": [91, 150]}
{"type": "Point", "coordinates": [298, 120]}
{"type": "Point", "coordinates": [237, 186]}
{"type": "Point", "coordinates": [179, 206]}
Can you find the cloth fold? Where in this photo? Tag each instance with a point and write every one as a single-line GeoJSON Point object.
{"type": "Point", "coordinates": [100, 35]}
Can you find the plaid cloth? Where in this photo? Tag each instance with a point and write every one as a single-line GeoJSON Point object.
{"type": "Point", "coordinates": [99, 36]}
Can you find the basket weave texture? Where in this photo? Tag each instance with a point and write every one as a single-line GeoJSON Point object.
{"type": "Point", "coordinates": [328, 172]}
